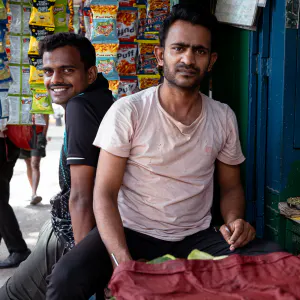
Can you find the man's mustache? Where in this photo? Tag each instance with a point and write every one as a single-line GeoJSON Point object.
{"type": "Point", "coordinates": [187, 68]}
{"type": "Point", "coordinates": [59, 85]}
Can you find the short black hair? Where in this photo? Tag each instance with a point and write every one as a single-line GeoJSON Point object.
{"type": "Point", "coordinates": [192, 13]}
{"type": "Point", "coordinates": [62, 39]}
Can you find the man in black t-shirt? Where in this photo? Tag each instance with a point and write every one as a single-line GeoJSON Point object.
{"type": "Point", "coordinates": [71, 78]}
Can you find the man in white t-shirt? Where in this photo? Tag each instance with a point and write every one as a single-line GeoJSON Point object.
{"type": "Point", "coordinates": [154, 186]}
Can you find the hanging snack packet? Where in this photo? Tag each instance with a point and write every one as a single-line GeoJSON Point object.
{"type": "Point", "coordinates": [38, 34]}
{"type": "Point", "coordinates": [25, 81]}
{"type": "Point", "coordinates": [3, 14]}
{"type": "Point", "coordinates": [71, 16]}
{"type": "Point", "coordinates": [41, 102]}
{"type": "Point", "coordinates": [15, 49]}
{"type": "Point", "coordinates": [127, 3]}
{"type": "Point", "coordinates": [19, 110]}
{"type": "Point", "coordinates": [25, 48]}
{"type": "Point", "coordinates": [36, 76]}
{"type": "Point", "coordinates": [87, 22]}
{"type": "Point", "coordinates": [127, 87]}
{"type": "Point", "coordinates": [60, 13]}
{"type": "Point", "coordinates": [113, 86]}
{"type": "Point", "coordinates": [147, 63]}
{"type": "Point", "coordinates": [4, 105]}
{"type": "Point", "coordinates": [127, 25]}
{"type": "Point", "coordinates": [26, 103]}
{"type": "Point", "coordinates": [15, 87]}
{"type": "Point", "coordinates": [15, 18]}
{"type": "Point", "coordinates": [157, 11]}
{"type": "Point", "coordinates": [26, 18]}
{"type": "Point", "coordinates": [4, 73]}
{"type": "Point", "coordinates": [2, 40]}
{"type": "Point", "coordinates": [106, 59]}
{"type": "Point", "coordinates": [142, 21]}
{"type": "Point", "coordinates": [126, 63]}
{"type": "Point", "coordinates": [42, 13]}
{"type": "Point", "coordinates": [146, 81]}
{"type": "Point", "coordinates": [36, 61]}
{"type": "Point", "coordinates": [104, 28]}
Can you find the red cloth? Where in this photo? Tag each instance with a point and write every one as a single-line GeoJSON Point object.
{"type": "Point", "coordinates": [272, 276]}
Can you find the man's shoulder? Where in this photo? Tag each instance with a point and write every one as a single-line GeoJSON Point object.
{"type": "Point", "coordinates": [217, 107]}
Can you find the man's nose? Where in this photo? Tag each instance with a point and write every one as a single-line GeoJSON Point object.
{"type": "Point", "coordinates": [57, 78]}
{"type": "Point", "coordinates": [188, 57]}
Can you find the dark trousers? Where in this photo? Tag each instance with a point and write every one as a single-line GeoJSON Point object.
{"type": "Point", "coordinates": [87, 268]}
{"type": "Point", "coordinates": [9, 227]}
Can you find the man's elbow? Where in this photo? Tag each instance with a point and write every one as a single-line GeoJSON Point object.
{"type": "Point", "coordinates": [80, 201]}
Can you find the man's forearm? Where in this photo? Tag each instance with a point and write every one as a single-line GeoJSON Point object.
{"type": "Point", "coordinates": [110, 227]}
{"type": "Point", "coordinates": [232, 204]}
{"type": "Point", "coordinates": [83, 220]}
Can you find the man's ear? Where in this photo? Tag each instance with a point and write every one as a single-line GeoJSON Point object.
{"type": "Point", "coordinates": [213, 59]}
{"type": "Point", "coordinates": [92, 74]}
{"type": "Point", "coordinates": [159, 54]}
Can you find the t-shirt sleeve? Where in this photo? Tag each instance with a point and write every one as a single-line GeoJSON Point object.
{"type": "Point", "coordinates": [116, 130]}
{"type": "Point", "coordinates": [81, 127]}
{"type": "Point", "coordinates": [231, 152]}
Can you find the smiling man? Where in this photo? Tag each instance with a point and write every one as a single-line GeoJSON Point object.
{"type": "Point", "coordinates": [71, 78]}
{"type": "Point", "coordinates": [154, 185]}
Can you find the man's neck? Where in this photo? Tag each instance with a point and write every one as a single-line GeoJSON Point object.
{"type": "Point", "coordinates": [184, 105]}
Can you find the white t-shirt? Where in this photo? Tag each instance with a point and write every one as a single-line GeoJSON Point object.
{"type": "Point", "coordinates": [167, 188]}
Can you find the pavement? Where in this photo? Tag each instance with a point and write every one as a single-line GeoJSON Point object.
{"type": "Point", "coordinates": [31, 218]}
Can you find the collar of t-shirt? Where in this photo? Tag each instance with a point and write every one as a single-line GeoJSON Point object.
{"type": "Point", "coordinates": [184, 129]}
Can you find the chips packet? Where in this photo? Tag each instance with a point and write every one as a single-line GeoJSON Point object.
{"type": "Point", "coordinates": [38, 34]}
{"type": "Point", "coordinates": [157, 11]}
{"type": "Point", "coordinates": [147, 62]}
{"type": "Point", "coordinates": [41, 102]}
{"type": "Point", "coordinates": [19, 110]}
{"type": "Point", "coordinates": [106, 59]}
{"type": "Point", "coordinates": [104, 27]}
{"type": "Point", "coordinates": [60, 14]}
{"type": "Point", "coordinates": [25, 48]}
{"type": "Point", "coordinates": [25, 79]}
{"type": "Point", "coordinates": [88, 19]}
{"type": "Point", "coordinates": [36, 76]}
{"type": "Point", "coordinates": [146, 81]}
{"type": "Point", "coordinates": [126, 63]}
{"type": "Point", "coordinates": [42, 13]}
{"type": "Point", "coordinates": [26, 18]}
{"type": "Point", "coordinates": [15, 87]}
{"type": "Point", "coordinates": [127, 87]}
{"type": "Point", "coordinates": [113, 86]}
{"type": "Point", "coordinates": [127, 3]}
{"type": "Point", "coordinates": [14, 18]}
{"type": "Point", "coordinates": [127, 25]}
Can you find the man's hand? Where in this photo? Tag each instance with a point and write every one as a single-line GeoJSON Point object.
{"type": "Point", "coordinates": [238, 233]}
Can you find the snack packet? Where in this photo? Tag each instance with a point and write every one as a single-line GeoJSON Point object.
{"type": "Point", "coordinates": [26, 17]}
{"type": "Point", "coordinates": [126, 63]}
{"type": "Point", "coordinates": [36, 61]}
{"type": "Point", "coordinates": [25, 47]}
{"type": "Point", "coordinates": [127, 3]}
{"type": "Point", "coordinates": [146, 81]}
{"type": "Point", "coordinates": [15, 49]}
{"type": "Point", "coordinates": [127, 87]}
{"type": "Point", "coordinates": [157, 11]}
{"type": "Point", "coordinates": [142, 21]}
{"type": "Point", "coordinates": [4, 105]}
{"type": "Point", "coordinates": [41, 102]}
{"type": "Point", "coordinates": [36, 76]}
{"type": "Point", "coordinates": [60, 14]}
{"type": "Point", "coordinates": [38, 34]}
{"type": "Point", "coordinates": [3, 14]}
{"type": "Point", "coordinates": [42, 13]}
{"type": "Point", "coordinates": [106, 59]}
{"type": "Point", "coordinates": [25, 81]}
{"type": "Point", "coordinates": [104, 28]}
{"type": "Point", "coordinates": [2, 40]}
{"type": "Point", "coordinates": [88, 23]}
{"type": "Point", "coordinates": [71, 16]}
{"type": "Point", "coordinates": [113, 86]}
{"type": "Point", "coordinates": [147, 62]}
{"type": "Point", "coordinates": [4, 73]}
{"type": "Point", "coordinates": [127, 25]}
{"type": "Point", "coordinates": [38, 119]}
{"type": "Point", "coordinates": [15, 18]}
{"type": "Point", "coordinates": [15, 87]}
{"type": "Point", "coordinates": [19, 110]}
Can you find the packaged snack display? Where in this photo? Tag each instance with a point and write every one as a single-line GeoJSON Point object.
{"type": "Point", "coordinates": [25, 47]}
{"type": "Point", "coordinates": [113, 86]}
{"type": "Point", "coordinates": [142, 21]}
{"type": "Point", "coordinates": [127, 87]}
{"type": "Point", "coordinates": [15, 18]}
{"type": "Point", "coordinates": [42, 13]}
{"type": "Point", "coordinates": [147, 63]}
{"type": "Point", "coordinates": [157, 11]}
{"type": "Point", "coordinates": [106, 59]}
{"type": "Point", "coordinates": [127, 3]}
{"type": "Point", "coordinates": [88, 23]}
{"type": "Point", "coordinates": [126, 63]}
{"type": "Point", "coordinates": [104, 27]}
{"type": "Point", "coordinates": [15, 49]}
{"type": "Point", "coordinates": [146, 81]}
{"type": "Point", "coordinates": [36, 76]}
{"type": "Point", "coordinates": [26, 17]}
{"type": "Point", "coordinates": [2, 40]}
{"type": "Point", "coordinates": [15, 87]}
{"type": "Point", "coordinates": [36, 61]}
{"type": "Point", "coordinates": [41, 102]}
{"type": "Point", "coordinates": [60, 14]}
{"type": "Point", "coordinates": [19, 110]}
{"type": "Point", "coordinates": [127, 25]}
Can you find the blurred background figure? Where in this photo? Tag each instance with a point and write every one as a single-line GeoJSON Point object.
{"type": "Point", "coordinates": [32, 159]}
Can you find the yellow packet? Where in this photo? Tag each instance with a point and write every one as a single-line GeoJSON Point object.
{"type": "Point", "coordinates": [114, 87]}
{"type": "Point", "coordinates": [33, 46]}
{"type": "Point", "coordinates": [147, 81]}
{"type": "Point", "coordinates": [41, 102]}
{"type": "Point", "coordinates": [36, 76]}
{"type": "Point", "coordinates": [42, 18]}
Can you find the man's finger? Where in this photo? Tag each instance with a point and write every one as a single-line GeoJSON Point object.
{"type": "Point", "coordinates": [241, 240]}
{"type": "Point", "coordinates": [250, 237]}
{"type": "Point", "coordinates": [237, 228]}
{"type": "Point", "coordinates": [226, 233]}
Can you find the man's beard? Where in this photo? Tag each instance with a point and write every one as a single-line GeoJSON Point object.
{"type": "Point", "coordinates": [171, 76]}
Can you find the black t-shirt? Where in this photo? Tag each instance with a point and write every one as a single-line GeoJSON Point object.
{"type": "Point", "coordinates": [84, 114]}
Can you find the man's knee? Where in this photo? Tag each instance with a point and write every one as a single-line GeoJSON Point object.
{"type": "Point", "coordinates": [35, 163]}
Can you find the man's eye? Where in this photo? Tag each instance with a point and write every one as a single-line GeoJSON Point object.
{"type": "Point", "coordinates": [68, 71]}
{"type": "Point", "coordinates": [178, 49]}
{"type": "Point", "coordinates": [48, 72]}
{"type": "Point", "coordinates": [201, 52]}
